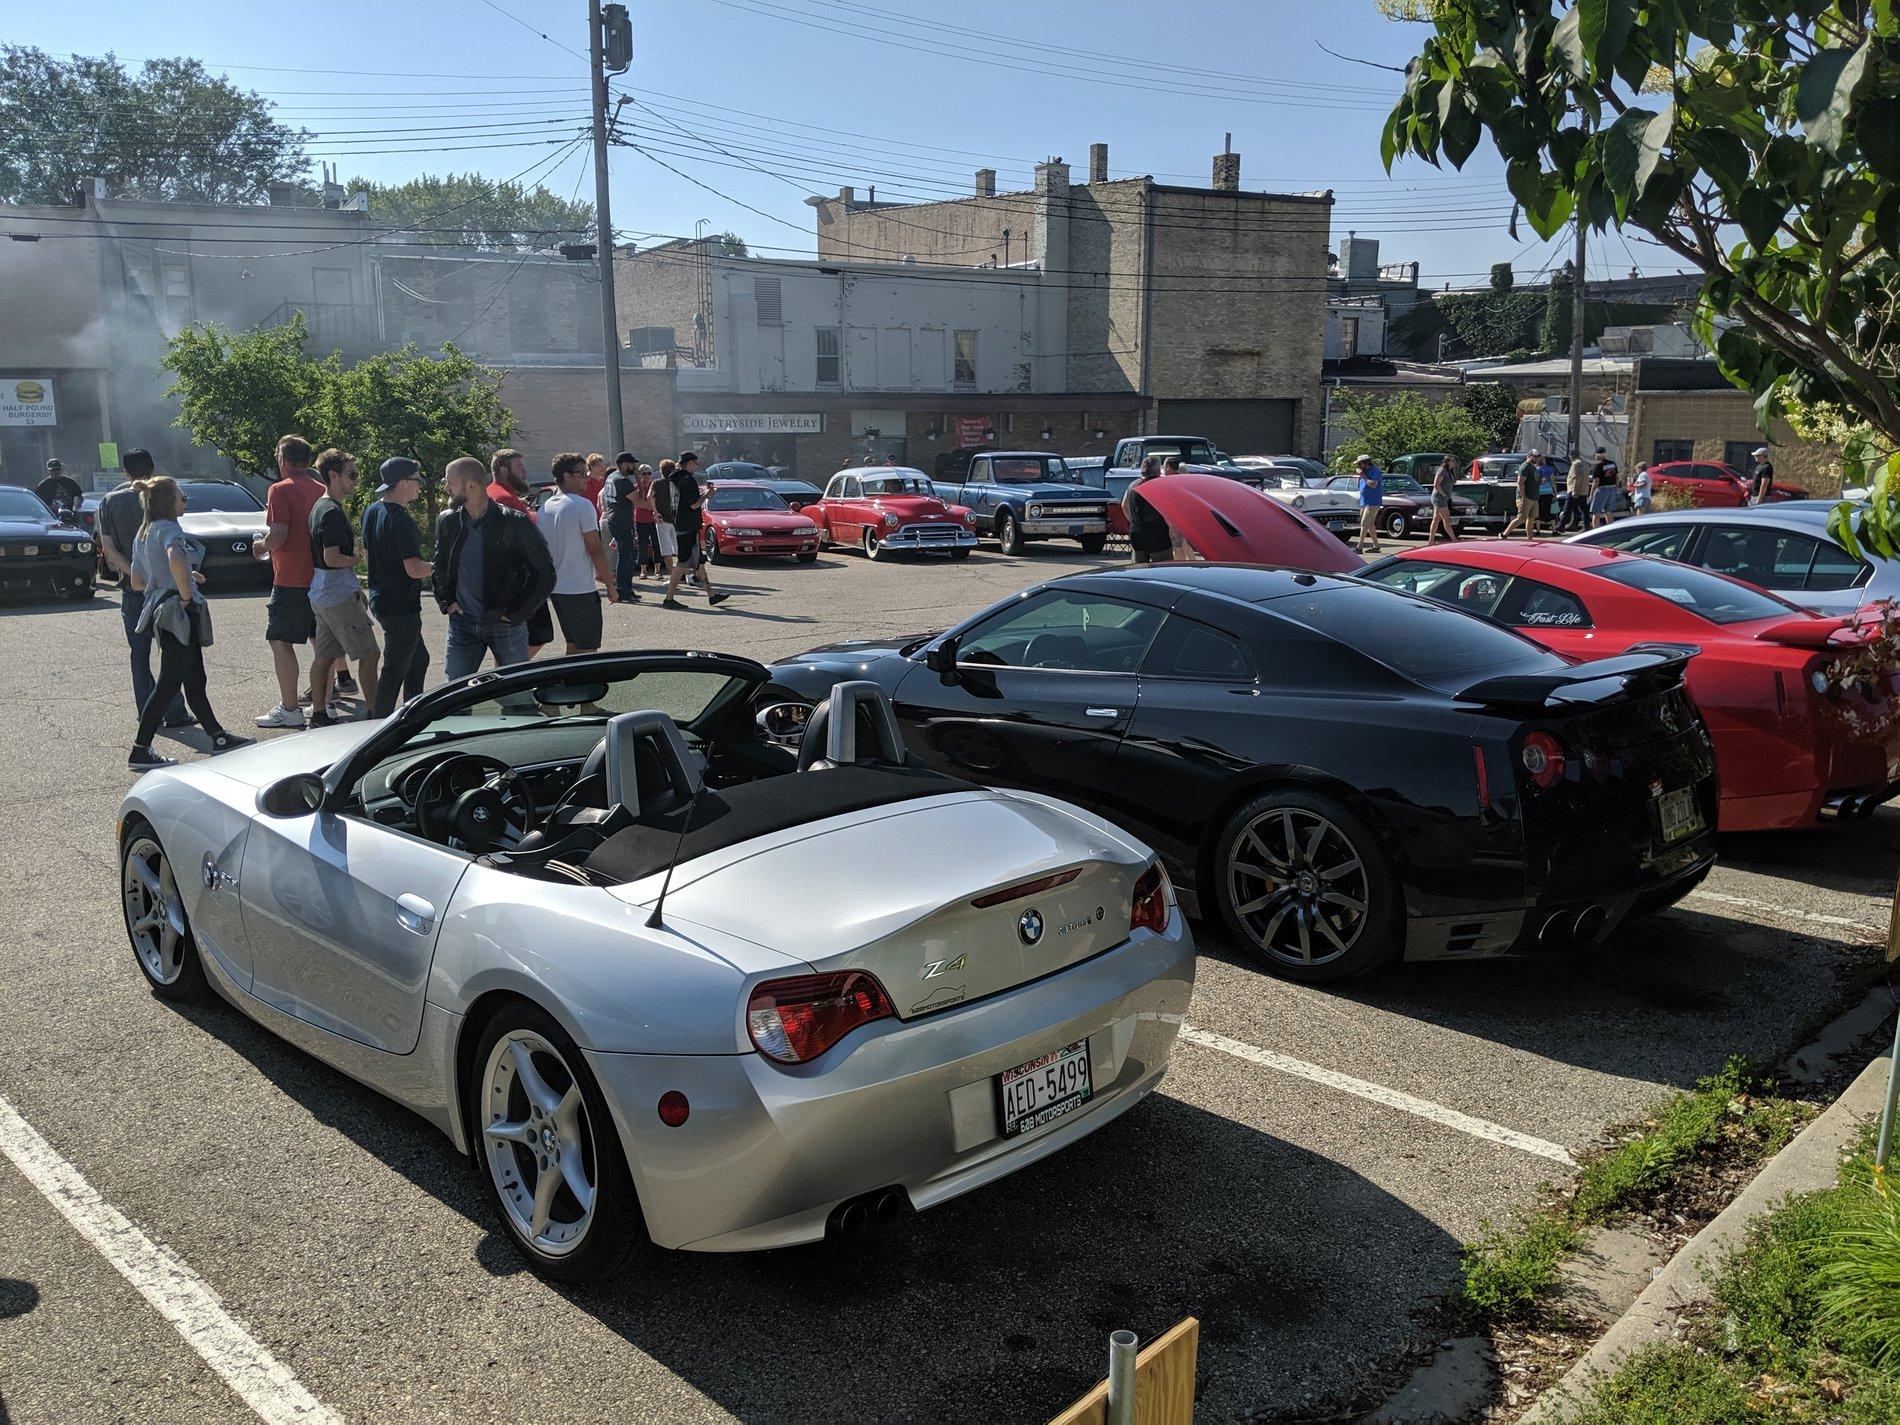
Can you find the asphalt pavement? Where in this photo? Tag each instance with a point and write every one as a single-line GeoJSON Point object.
{"type": "Point", "coordinates": [1301, 1182]}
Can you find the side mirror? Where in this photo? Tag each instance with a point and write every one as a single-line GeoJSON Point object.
{"type": "Point", "coordinates": [296, 795]}
{"type": "Point", "coordinates": [942, 660]}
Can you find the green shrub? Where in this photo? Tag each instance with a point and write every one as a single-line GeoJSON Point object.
{"type": "Point", "coordinates": [1858, 1265]}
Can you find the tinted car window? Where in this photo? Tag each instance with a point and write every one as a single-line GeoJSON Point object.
{"type": "Point", "coordinates": [1664, 541]}
{"type": "Point", "coordinates": [1535, 605]}
{"type": "Point", "coordinates": [1834, 568]}
{"type": "Point", "coordinates": [1767, 558]}
{"type": "Point", "coordinates": [1476, 591]}
{"type": "Point", "coordinates": [1187, 649]}
{"type": "Point", "coordinates": [730, 499]}
{"type": "Point", "coordinates": [1077, 632]}
{"type": "Point", "coordinates": [219, 499]}
{"type": "Point", "coordinates": [1706, 596]}
{"type": "Point", "coordinates": [1418, 638]}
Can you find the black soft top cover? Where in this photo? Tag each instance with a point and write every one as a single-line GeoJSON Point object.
{"type": "Point", "coordinates": [719, 819]}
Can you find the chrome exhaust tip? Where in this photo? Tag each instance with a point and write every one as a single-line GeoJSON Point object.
{"type": "Point", "coordinates": [1590, 922]}
{"type": "Point", "coordinates": [1555, 930]}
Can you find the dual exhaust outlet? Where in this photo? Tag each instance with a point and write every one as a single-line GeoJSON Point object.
{"type": "Point", "coordinates": [855, 1215]}
{"type": "Point", "coordinates": [1573, 927]}
{"type": "Point", "coordinates": [1852, 806]}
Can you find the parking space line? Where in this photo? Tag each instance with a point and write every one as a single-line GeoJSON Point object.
{"type": "Point", "coordinates": [173, 1289]}
{"type": "Point", "coordinates": [1378, 1093]}
{"type": "Point", "coordinates": [1785, 912]}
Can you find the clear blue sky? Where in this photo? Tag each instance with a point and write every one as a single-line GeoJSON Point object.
{"type": "Point", "coordinates": [772, 99]}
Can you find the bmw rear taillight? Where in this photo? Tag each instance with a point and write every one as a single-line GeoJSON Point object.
{"type": "Point", "coordinates": [1153, 901]}
{"type": "Point", "coordinates": [795, 1020]}
{"type": "Point", "coordinates": [1543, 758]}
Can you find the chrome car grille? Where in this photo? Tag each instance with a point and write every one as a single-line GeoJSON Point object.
{"type": "Point", "coordinates": [1073, 512]}
{"type": "Point", "coordinates": [927, 532]}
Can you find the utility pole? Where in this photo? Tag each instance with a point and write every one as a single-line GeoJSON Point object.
{"type": "Point", "coordinates": [1576, 348]}
{"type": "Point", "coordinates": [603, 53]}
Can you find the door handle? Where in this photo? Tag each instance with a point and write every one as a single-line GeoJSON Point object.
{"type": "Point", "coordinates": [414, 914]}
{"type": "Point", "coordinates": [1102, 712]}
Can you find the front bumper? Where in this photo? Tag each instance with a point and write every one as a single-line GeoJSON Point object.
{"type": "Point", "coordinates": [770, 1150]}
{"type": "Point", "coordinates": [930, 537]}
{"type": "Point", "coordinates": [61, 576]}
{"type": "Point", "coordinates": [767, 544]}
{"type": "Point", "coordinates": [1063, 529]}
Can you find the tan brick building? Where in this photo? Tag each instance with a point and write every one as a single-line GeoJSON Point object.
{"type": "Point", "coordinates": [1684, 410]}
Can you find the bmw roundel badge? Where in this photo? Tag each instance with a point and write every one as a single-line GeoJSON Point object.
{"type": "Point", "coordinates": [1029, 926]}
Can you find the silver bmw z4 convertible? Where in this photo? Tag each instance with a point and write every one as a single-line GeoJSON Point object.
{"type": "Point", "coordinates": [666, 979]}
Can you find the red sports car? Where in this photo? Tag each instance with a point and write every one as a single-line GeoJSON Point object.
{"type": "Point", "coordinates": [885, 508]}
{"type": "Point", "coordinates": [1714, 486]}
{"type": "Point", "coordinates": [741, 518]}
{"type": "Point", "coordinates": [1793, 746]}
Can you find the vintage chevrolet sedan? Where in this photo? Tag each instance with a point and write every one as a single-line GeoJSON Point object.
{"type": "Point", "coordinates": [882, 509]}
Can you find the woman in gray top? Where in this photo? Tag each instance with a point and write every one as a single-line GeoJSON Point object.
{"type": "Point", "coordinates": [1444, 478]}
{"type": "Point", "coordinates": [165, 563]}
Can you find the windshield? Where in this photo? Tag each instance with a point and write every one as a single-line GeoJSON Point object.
{"type": "Point", "coordinates": [1707, 596]}
{"type": "Point", "coordinates": [898, 485]}
{"type": "Point", "coordinates": [724, 499]}
{"type": "Point", "coordinates": [1403, 484]}
{"type": "Point", "coordinates": [738, 470]}
{"type": "Point", "coordinates": [203, 498]}
{"type": "Point", "coordinates": [1022, 469]}
{"type": "Point", "coordinates": [17, 504]}
{"type": "Point", "coordinates": [1192, 452]}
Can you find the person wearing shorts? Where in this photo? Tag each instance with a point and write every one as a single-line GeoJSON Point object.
{"type": "Point", "coordinates": [288, 621]}
{"type": "Point", "coordinates": [689, 502]}
{"type": "Point", "coordinates": [337, 605]}
{"type": "Point", "coordinates": [572, 531]}
{"type": "Point", "coordinates": [1371, 501]}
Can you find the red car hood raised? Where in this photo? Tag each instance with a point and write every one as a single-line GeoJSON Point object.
{"type": "Point", "coordinates": [1226, 522]}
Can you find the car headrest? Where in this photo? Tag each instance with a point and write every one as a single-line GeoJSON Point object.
{"type": "Point", "coordinates": [650, 771]}
{"type": "Point", "coordinates": [854, 727]}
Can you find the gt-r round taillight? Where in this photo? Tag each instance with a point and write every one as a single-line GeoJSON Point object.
{"type": "Point", "coordinates": [1153, 898]}
{"type": "Point", "coordinates": [795, 1020]}
{"type": "Point", "coordinates": [1543, 758]}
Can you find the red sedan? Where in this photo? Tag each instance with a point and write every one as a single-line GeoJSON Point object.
{"type": "Point", "coordinates": [1792, 746]}
{"type": "Point", "coordinates": [746, 519]}
{"type": "Point", "coordinates": [1713, 486]}
{"type": "Point", "coordinates": [885, 508]}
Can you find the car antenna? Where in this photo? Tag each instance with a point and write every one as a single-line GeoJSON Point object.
{"type": "Point", "coordinates": [686, 823]}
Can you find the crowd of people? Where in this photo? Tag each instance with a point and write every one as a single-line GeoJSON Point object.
{"type": "Point", "coordinates": [500, 571]}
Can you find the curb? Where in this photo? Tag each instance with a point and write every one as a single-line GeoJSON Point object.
{"type": "Point", "coordinates": [1808, 1164]}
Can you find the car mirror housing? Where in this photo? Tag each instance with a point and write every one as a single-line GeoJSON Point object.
{"type": "Point", "coordinates": [942, 660]}
{"type": "Point", "coordinates": [296, 795]}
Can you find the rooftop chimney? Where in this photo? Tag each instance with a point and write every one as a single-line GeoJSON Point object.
{"type": "Point", "coordinates": [1227, 168]}
{"type": "Point", "coordinates": [1052, 178]}
{"type": "Point", "coordinates": [847, 195]}
{"type": "Point", "coordinates": [986, 183]}
{"type": "Point", "coordinates": [1098, 163]}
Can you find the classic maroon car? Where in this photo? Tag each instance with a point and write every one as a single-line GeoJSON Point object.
{"type": "Point", "coordinates": [740, 518]}
{"type": "Point", "coordinates": [885, 508]}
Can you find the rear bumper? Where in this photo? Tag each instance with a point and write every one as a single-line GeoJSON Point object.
{"type": "Point", "coordinates": [770, 1150]}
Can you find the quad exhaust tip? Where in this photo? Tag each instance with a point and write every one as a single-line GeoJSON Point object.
{"type": "Point", "coordinates": [1567, 927]}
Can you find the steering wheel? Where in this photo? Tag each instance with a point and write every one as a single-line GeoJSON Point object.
{"type": "Point", "coordinates": [474, 801]}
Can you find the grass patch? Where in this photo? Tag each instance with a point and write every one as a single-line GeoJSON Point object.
{"type": "Point", "coordinates": [1507, 1271]}
{"type": "Point", "coordinates": [1806, 1330]}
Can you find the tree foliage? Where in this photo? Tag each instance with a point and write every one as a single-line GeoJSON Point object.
{"type": "Point", "coordinates": [1386, 428]}
{"type": "Point", "coordinates": [1492, 407]}
{"type": "Point", "coordinates": [469, 210]}
{"type": "Point", "coordinates": [173, 131]}
{"type": "Point", "coordinates": [239, 392]}
{"type": "Point", "coordinates": [1759, 142]}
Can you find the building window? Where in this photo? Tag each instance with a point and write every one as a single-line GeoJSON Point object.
{"type": "Point", "coordinates": [1348, 337]}
{"type": "Point", "coordinates": [829, 365]}
{"type": "Point", "coordinates": [766, 296]}
{"type": "Point", "coordinates": [1672, 450]}
{"type": "Point", "coordinates": [1739, 455]}
{"type": "Point", "coordinates": [966, 358]}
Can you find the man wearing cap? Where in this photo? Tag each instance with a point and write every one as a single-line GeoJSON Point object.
{"type": "Point", "coordinates": [1761, 481]}
{"type": "Point", "coordinates": [1371, 500]}
{"type": "Point", "coordinates": [58, 489]}
{"type": "Point", "coordinates": [688, 501]}
{"type": "Point", "coordinates": [617, 510]}
{"type": "Point", "coordinates": [393, 545]}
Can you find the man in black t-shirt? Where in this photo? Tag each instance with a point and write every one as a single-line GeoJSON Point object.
{"type": "Point", "coordinates": [688, 502]}
{"type": "Point", "coordinates": [336, 599]}
{"type": "Point", "coordinates": [1761, 480]}
{"type": "Point", "coordinates": [393, 545]}
{"type": "Point", "coordinates": [59, 490]}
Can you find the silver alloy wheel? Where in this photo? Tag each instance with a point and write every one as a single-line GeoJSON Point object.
{"type": "Point", "coordinates": [1298, 886]}
{"type": "Point", "coordinates": [154, 911]}
{"type": "Point", "coordinates": [538, 1142]}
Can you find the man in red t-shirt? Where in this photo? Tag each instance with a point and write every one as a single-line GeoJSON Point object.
{"type": "Point", "coordinates": [289, 622]}
{"type": "Point", "coordinates": [508, 485]}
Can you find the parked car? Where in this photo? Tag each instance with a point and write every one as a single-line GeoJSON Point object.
{"type": "Point", "coordinates": [1785, 548]}
{"type": "Point", "coordinates": [796, 493]}
{"type": "Point", "coordinates": [42, 553]}
{"type": "Point", "coordinates": [1190, 449]}
{"type": "Point", "coordinates": [1407, 506]}
{"type": "Point", "coordinates": [1419, 465]}
{"type": "Point", "coordinates": [882, 509]}
{"type": "Point", "coordinates": [665, 980]}
{"type": "Point", "coordinates": [1492, 504]}
{"type": "Point", "coordinates": [1094, 471]}
{"type": "Point", "coordinates": [743, 518]}
{"type": "Point", "coordinates": [1021, 496]}
{"type": "Point", "coordinates": [1713, 486]}
{"type": "Point", "coordinates": [1336, 510]}
{"type": "Point", "coordinates": [1498, 465]}
{"type": "Point", "coordinates": [227, 519]}
{"type": "Point", "coordinates": [1792, 746]}
{"type": "Point", "coordinates": [1342, 773]}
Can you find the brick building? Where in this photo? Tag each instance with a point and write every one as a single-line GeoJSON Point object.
{"type": "Point", "coordinates": [1685, 410]}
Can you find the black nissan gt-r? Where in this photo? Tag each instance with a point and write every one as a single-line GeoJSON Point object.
{"type": "Point", "coordinates": [1342, 773]}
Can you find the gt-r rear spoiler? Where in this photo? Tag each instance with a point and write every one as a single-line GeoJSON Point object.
{"type": "Point", "coordinates": [1645, 668]}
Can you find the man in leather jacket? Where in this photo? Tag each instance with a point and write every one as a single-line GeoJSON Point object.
{"type": "Point", "coordinates": [491, 572]}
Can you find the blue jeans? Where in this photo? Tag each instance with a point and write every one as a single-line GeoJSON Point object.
{"type": "Point", "coordinates": [131, 605]}
{"type": "Point", "coordinates": [469, 641]}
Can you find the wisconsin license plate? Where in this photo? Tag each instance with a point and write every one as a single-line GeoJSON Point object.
{"type": "Point", "coordinates": [1680, 815]}
{"type": "Point", "coordinates": [1045, 1089]}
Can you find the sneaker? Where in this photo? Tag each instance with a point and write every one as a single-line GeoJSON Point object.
{"type": "Point", "coordinates": [222, 741]}
{"type": "Point", "coordinates": [345, 683]}
{"type": "Point", "coordinates": [282, 717]}
{"type": "Point", "coordinates": [714, 600]}
{"type": "Point", "coordinates": [143, 759]}
{"type": "Point", "coordinates": [671, 604]}
{"type": "Point", "coordinates": [324, 719]}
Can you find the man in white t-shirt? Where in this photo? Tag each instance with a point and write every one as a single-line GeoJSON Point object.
{"type": "Point", "coordinates": [571, 528]}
